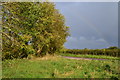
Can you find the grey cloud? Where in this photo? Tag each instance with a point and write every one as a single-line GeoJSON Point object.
{"type": "Point", "coordinates": [82, 42]}
{"type": "Point", "coordinates": [92, 24]}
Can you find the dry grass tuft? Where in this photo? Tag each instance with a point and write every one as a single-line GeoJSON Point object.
{"type": "Point", "coordinates": [46, 57]}
{"type": "Point", "coordinates": [68, 73]}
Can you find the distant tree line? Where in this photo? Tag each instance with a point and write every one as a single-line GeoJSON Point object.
{"type": "Point", "coordinates": [31, 28]}
{"type": "Point", "coordinates": [113, 47]}
{"type": "Point", "coordinates": [111, 51]}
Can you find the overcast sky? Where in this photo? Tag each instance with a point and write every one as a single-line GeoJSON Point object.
{"type": "Point", "coordinates": [92, 24]}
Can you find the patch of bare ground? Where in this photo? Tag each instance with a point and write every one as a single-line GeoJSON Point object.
{"type": "Point", "coordinates": [78, 58]}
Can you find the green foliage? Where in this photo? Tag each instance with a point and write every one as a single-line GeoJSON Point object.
{"type": "Point", "coordinates": [36, 22]}
{"type": "Point", "coordinates": [113, 47]}
{"type": "Point", "coordinates": [108, 52]}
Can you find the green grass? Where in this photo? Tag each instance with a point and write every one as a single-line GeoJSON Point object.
{"type": "Point", "coordinates": [90, 56]}
{"type": "Point", "coordinates": [58, 67]}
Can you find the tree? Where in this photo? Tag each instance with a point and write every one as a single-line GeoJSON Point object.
{"type": "Point", "coordinates": [113, 47]}
{"type": "Point", "coordinates": [32, 27]}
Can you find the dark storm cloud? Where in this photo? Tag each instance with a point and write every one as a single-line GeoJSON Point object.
{"type": "Point", "coordinates": [92, 24]}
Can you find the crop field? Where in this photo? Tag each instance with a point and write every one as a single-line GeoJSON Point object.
{"type": "Point", "coordinates": [59, 67]}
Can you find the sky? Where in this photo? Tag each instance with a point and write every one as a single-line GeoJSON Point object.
{"type": "Point", "coordinates": [93, 25]}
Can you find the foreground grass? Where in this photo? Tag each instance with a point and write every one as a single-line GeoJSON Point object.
{"type": "Point", "coordinates": [57, 67]}
{"type": "Point", "coordinates": [90, 56]}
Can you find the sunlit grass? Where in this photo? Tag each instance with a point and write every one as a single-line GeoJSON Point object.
{"type": "Point", "coordinates": [90, 56]}
{"type": "Point", "coordinates": [58, 67]}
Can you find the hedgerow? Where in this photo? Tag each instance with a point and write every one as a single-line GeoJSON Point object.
{"type": "Point", "coordinates": [107, 52]}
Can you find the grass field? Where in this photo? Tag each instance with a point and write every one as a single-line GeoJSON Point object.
{"type": "Point", "coordinates": [91, 56]}
{"type": "Point", "coordinates": [58, 67]}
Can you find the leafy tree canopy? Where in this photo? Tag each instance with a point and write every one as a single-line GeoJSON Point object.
{"type": "Point", "coordinates": [32, 28]}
